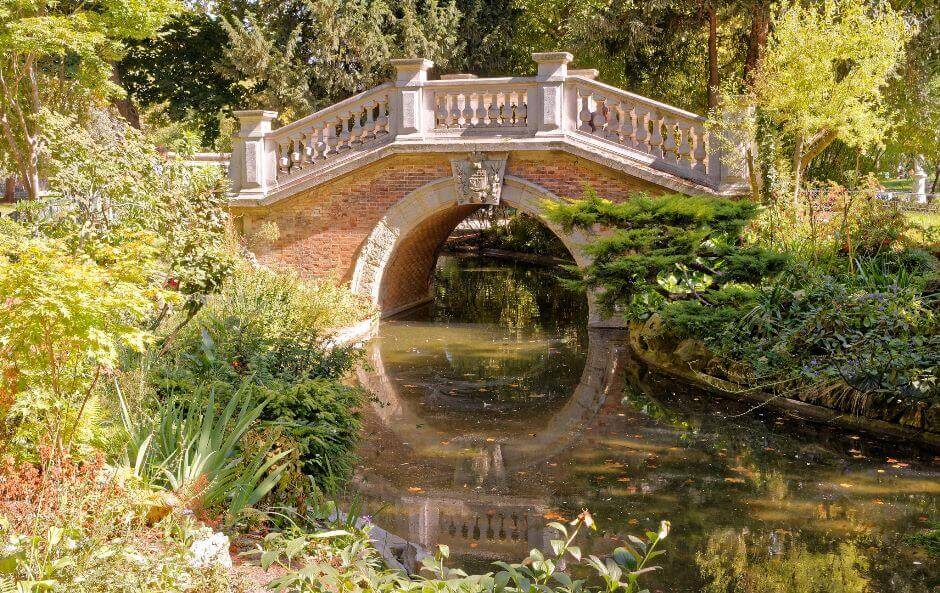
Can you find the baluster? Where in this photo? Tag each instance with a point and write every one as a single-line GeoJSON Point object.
{"type": "Point", "coordinates": [493, 111]}
{"type": "Point", "coordinates": [370, 120]}
{"type": "Point", "coordinates": [656, 138]}
{"type": "Point", "coordinates": [454, 116]}
{"type": "Point", "coordinates": [685, 146]}
{"type": "Point", "coordinates": [467, 110]}
{"type": "Point", "coordinates": [320, 146]}
{"type": "Point", "coordinates": [600, 117]}
{"type": "Point", "coordinates": [310, 150]}
{"type": "Point", "coordinates": [642, 129]}
{"type": "Point", "coordinates": [585, 114]}
{"type": "Point", "coordinates": [343, 132]}
{"type": "Point", "coordinates": [381, 122]}
{"type": "Point", "coordinates": [332, 142]}
{"type": "Point", "coordinates": [441, 110]}
{"type": "Point", "coordinates": [296, 150]}
{"type": "Point", "coordinates": [481, 109]}
{"type": "Point", "coordinates": [613, 123]}
{"type": "Point", "coordinates": [629, 129]}
{"type": "Point", "coordinates": [669, 146]}
{"type": "Point", "coordinates": [699, 166]}
{"type": "Point", "coordinates": [522, 109]}
{"type": "Point", "coordinates": [355, 137]}
{"type": "Point", "coordinates": [283, 150]}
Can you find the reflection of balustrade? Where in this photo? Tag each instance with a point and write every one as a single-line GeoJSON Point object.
{"type": "Point", "coordinates": [555, 105]}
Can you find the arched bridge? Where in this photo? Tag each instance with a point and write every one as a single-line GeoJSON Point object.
{"type": "Point", "coordinates": [367, 190]}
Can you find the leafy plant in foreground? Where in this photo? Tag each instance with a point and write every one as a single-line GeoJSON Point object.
{"type": "Point", "coordinates": [355, 566]}
{"type": "Point", "coordinates": [192, 450]}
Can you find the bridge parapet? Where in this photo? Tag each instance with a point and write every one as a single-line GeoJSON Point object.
{"type": "Point", "coordinates": [557, 108]}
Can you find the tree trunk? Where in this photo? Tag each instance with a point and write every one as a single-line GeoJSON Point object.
{"type": "Point", "coordinates": [9, 189]}
{"type": "Point", "coordinates": [936, 179]}
{"type": "Point", "coordinates": [125, 106]}
{"type": "Point", "coordinates": [713, 81]}
{"type": "Point", "coordinates": [797, 169]}
{"type": "Point", "coordinates": [756, 38]}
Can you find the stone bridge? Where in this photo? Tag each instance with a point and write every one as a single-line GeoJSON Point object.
{"type": "Point", "coordinates": [367, 190]}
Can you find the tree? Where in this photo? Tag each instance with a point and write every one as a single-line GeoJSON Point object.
{"type": "Point", "coordinates": [675, 255]}
{"type": "Point", "coordinates": [179, 68]}
{"type": "Point", "coordinates": [56, 58]}
{"type": "Point", "coordinates": [823, 74]}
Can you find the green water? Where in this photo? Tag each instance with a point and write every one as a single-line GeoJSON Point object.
{"type": "Point", "coordinates": [497, 410]}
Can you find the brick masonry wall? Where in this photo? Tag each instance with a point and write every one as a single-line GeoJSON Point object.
{"type": "Point", "coordinates": [323, 230]}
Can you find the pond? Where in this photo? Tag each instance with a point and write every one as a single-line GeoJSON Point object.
{"type": "Point", "coordinates": [497, 410]}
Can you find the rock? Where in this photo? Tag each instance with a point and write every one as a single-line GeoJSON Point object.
{"type": "Point", "coordinates": [210, 550]}
{"type": "Point", "coordinates": [693, 353]}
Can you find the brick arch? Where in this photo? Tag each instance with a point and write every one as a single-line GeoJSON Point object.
{"type": "Point", "coordinates": [395, 264]}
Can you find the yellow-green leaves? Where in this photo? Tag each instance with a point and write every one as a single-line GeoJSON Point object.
{"type": "Point", "coordinates": [64, 320]}
{"type": "Point", "coordinates": [826, 65]}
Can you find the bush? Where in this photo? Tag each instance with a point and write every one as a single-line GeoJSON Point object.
{"type": "Point", "coordinates": [320, 418]}
{"type": "Point", "coordinates": [264, 333]}
{"type": "Point", "coordinates": [268, 325]}
{"type": "Point", "coordinates": [82, 528]}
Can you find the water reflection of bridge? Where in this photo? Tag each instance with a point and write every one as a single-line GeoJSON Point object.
{"type": "Point", "coordinates": [476, 513]}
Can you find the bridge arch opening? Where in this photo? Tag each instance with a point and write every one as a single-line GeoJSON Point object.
{"type": "Point", "coordinates": [395, 265]}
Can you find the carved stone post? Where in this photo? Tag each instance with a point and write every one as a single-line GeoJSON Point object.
{"type": "Point", "coordinates": [409, 113]}
{"type": "Point", "coordinates": [548, 110]}
{"type": "Point", "coordinates": [253, 167]}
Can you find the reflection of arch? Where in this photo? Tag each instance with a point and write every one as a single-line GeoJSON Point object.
{"type": "Point", "coordinates": [471, 521]}
{"type": "Point", "coordinates": [395, 263]}
{"type": "Point", "coordinates": [599, 377]}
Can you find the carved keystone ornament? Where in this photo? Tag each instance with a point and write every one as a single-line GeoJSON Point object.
{"type": "Point", "coordinates": [479, 177]}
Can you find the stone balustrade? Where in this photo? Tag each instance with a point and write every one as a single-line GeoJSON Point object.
{"type": "Point", "coordinates": [557, 107]}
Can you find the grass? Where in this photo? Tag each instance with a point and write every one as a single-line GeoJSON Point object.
{"type": "Point", "coordinates": [6, 209]}
{"type": "Point", "coordinates": [897, 184]}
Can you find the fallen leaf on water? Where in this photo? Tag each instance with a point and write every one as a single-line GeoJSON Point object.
{"type": "Point", "coordinates": [632, 521]}
{"type": "Point", "coordinates": [473, 544]}
{"type": "Point", "coordinates": [735, 480]}
{"type": "Point", "coordinates": [415, 489]}
{"type": "Point", "coordinates": [878, 501]}
{"type": "Point", "coordinates": [892, 460]}
{"type": "Point", "coordinates": [844, 485]}
{"type": "Point", "coordinates": [552, 516]}
{"type": "Point", "coordinates": [900, 465]}
{"type": "Point", "coordinates": [445, 442]}
{"type": "Point", "coordinates": [623, 479]}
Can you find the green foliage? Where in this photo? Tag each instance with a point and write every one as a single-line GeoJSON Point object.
{"type": "Point", "coordinates": [269, 325]}
{"type": "Point", "coordinates": [319, 416]}
{"type": "Point", "coordinates": [662, 250]}
{"type": "Point", "coordinates": [56, 59]}
{"type": "Point", "coordinates": [171, 69]}
{"type": "Point", "coordinates": [351, 564]}
{"type": "Point", "coordinates": [878, 340]}
{"type": "Point", "coordinates": [194, 451]}
{"type": "Point", "coordinates": [265, 333]}
{"type": "Point", "coordinates": [65, 320]}
{"type": "Point", "coordinates": [825, 66]}
{"type": "Point", "coordinates": [505, 228]}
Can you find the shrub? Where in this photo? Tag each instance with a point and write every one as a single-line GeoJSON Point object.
{"type": "Point", "coordinates": [80, 527]}
{"type": "Point", "coordinates": [268, 325]}
{"type": "Point", "coordinates": [320, 417]}
{"type": "Point", "coordinates": [877, 341]}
